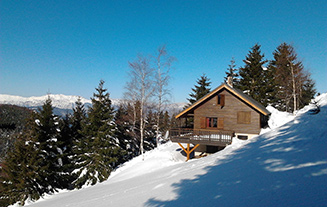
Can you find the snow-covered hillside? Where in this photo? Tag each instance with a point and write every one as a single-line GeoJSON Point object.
{"type": "Point", "coordinates": [286, 166]}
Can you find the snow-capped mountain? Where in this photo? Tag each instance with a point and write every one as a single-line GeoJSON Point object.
{"type": "Point", "coordinates": [58, 100]}
{"type": "Point", "coordinates": [62, 104]}
{"type": "Point", "coordinates": [65, 103]}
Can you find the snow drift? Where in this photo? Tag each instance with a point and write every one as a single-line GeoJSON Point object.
{"type": "Point", "coordinates": [286, 166]}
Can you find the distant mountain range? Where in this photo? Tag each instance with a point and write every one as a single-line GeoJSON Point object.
{"type": "Point", "coordinates": [64, 104]}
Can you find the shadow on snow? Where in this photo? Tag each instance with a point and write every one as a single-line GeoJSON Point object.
{"type": "Point", "coordinates": [284, 167]}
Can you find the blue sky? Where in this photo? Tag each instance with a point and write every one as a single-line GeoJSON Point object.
{"type": "Point", "coordinates": [66, 47]}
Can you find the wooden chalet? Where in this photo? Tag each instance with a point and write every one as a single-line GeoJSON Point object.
{"type": "Point", "coordinates": [211, 122]}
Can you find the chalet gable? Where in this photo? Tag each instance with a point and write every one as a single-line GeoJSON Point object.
{"type": "Point", "coordinates": [220, 100]}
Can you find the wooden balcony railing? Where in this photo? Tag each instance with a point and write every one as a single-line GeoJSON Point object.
{"type": "Point", "coordinates": [199, 136]}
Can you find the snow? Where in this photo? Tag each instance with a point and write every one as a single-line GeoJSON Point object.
{"type": "Point", "coordinates": [285, 166]}
{"type": "Point", "coordinates": [37, 121]}
{"type": "Point", "coordinates": [278, 118]}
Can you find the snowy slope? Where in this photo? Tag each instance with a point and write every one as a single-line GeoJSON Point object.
{"type": "Point", "coordinates": [286, 166]}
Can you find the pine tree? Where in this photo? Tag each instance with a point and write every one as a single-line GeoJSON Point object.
{"type": "Point", "coordinates": [165, 125]}
{"type": "Point", "coordinates": [46, 134]}
{"type": "Point", "coordinates": [34, 167]}
{"type": "Point", "coordinates": [232, 72]}
{"type": "Point", "coordinates": [123, 132]}
{"type": "Point", "coordinates": [20, 178]}
{"type": "Point", "coordinates": [12, 122]}
{"type": "Point", "coordinates": [255, 78]}
{"type": "Point", "coordinates": [101, 147]}
{"type": "Point", "coordinates": [173, 121]}
{"type": "Point", "coordinates": [150, 130]}
{"type": "Point", "coordinates": [78, 120]}
{"type": "Point", "coordinates": [308, 92]}
{"type": "Point", "coordinates": [291, 78]}
{"type": "Point", "coordinates": [201, 89]}
{"type": "Point", "coordinates": [65, 144]}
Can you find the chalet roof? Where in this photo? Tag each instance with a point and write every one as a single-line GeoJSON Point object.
{"type": "Point", "coordinates": [239, 94]}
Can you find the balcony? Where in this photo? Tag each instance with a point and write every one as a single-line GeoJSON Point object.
{"type": "Point", "coordinates": [203, 137]}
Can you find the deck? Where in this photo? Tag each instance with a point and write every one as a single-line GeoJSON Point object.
{"type": "Point", "coordinates": [203, 137]}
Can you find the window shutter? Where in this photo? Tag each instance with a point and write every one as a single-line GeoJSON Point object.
{"type": "Point", "coordinates": [221, 100]}
{"type": "Point", "coordinates": [203, 123]}
{"type": "Point", "coordinates": [220, 123]}
{"type": "Point", "coordinates": [244, 117]}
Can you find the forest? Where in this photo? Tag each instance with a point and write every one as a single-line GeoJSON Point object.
{"type": "Point", "coordinates": [42, 153]}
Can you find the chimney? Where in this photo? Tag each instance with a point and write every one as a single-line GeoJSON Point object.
{"type": "Point", "coordinates": [230, 81]}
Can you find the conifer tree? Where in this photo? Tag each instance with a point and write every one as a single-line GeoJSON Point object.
{"type": "Point", "coordinates": [255, 79]}
{"type": "Point", "coordinates": [150, 130]}
{"type": "Point", "coordinates": [308, 91]}
{"type": "Point", "coordinates": [101, 147]}
{"type": "Point", "coordinates": [165, 123]}
{"type": "Point", "coordinates": [201, 89]}
{"type": "Point", "coordinates": [65, 144]}
{"type": "Point", "coordinates": [35, 166]}
{"type": "Point", "coordinates": [20, 172]}
{"type": "Point", "coordinates": [78, 120]}
{"type": "Point", "coordinates": [65, 141]}
{"type": "Point", "coordinates": [291, 78]}
{"type": "Point", "coordinates": [232, 72]}
{"type": "Point", "coordinates": [46, 133]}
{"type": "Point", "coordinates": [123, 132]}
{"type": "Point", "coordinates": [12, 121]}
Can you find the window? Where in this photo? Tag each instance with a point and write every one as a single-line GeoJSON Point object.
{"type": "Point", "coordinates": [242, 137]}
{"type": "Point", "coordinates": [211, 122]}
{"type": "Point", "coordinates": [244, 117]}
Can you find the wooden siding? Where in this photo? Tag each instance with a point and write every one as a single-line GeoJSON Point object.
{"type": "Point", "coordinates": [237, 93]}
{"type": "Point", "coordinates": [228, 113]}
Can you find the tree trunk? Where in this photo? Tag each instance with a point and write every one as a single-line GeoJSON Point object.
{"type": "Point", "coordinates": [142, 131]}
{"type": "Point", "coordinates": [294, 89]}
{"type": "Point", "coordinates": [159, 104]}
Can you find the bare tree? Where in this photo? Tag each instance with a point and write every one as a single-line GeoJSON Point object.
{"type": "Point", "coordinates": [140, 89]}
{"type": "Point", "coordinates": [163, 66]}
